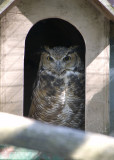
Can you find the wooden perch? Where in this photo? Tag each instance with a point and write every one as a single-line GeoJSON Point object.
{"type": "Point", "coordinates": [53, 140]}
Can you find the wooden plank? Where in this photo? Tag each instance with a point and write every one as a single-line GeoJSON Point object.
{"type": "Point", "coordinates": [104, 7]}
{"type": "Point", "coordinates": [6, 5]}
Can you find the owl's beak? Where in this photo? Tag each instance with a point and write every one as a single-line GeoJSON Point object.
{"type": "Point", "coordinates": [58, 67]}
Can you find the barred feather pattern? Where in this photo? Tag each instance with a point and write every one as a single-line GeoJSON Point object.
{"type": "Point", "coordinates": [59, 101]}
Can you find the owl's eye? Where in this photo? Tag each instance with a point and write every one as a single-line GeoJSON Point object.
{"type": "Point", "coordinates": [49, 58]}
{"type": "Point", "coordinates": [67, 58]}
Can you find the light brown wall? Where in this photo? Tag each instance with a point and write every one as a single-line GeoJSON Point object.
{"type": "Point", "coordinates": [94, 29]}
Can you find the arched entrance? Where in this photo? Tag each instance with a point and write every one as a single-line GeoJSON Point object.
{"type": "Point", "coordinates": [50, 32]}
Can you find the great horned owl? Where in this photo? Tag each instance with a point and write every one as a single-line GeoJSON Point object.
{"type": "Point", "coordinates": [59, 95]}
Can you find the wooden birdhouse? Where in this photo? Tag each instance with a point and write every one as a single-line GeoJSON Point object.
{"type": "Point", "coordinates": [27, 25]}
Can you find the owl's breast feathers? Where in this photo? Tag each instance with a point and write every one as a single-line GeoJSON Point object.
{"type": "Point", "coordinates": [59, 100]}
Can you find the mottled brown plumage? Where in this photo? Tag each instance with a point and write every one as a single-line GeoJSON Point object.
{"type": "Point", "coordinates": [59, 96]}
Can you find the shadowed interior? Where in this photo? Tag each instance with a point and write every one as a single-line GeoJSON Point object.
{"type": "Point", "coordinates": [50, 32]}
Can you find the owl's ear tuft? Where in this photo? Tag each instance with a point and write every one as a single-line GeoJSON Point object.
{"type": "Point", "coordinates": [45, 47]}
{"type": "Point", "coordinates": [75, 48]}
{"type": "Point", "coordinates": [42, 48]}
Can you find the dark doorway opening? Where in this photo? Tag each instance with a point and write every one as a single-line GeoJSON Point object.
{"type": "Point", "coordinates": [50, 32]}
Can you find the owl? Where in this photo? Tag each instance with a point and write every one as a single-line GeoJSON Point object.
{"type": "Point", "coordinates": [59, 95]}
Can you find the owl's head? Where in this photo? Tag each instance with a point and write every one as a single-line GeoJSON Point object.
{"type": "Point", "coordinates": [58, 60]}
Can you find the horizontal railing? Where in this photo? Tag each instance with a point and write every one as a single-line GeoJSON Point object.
{"type": "Point", "coordinates": [54, 140]}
